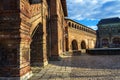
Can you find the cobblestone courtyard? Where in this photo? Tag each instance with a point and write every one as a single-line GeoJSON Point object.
{"type": "Point", "coordinates": [84, 67]}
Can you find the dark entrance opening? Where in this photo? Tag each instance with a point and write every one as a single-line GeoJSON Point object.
{"type": "Point", "coordinates": [74, 45]}
{"type": "Point", "coordinates": [116, 42]}
{"type": "Point", "coordinates": [36, 55]}
{"type": "Point", "coordinates": [105, 43]}
{"type": "Point", "coordinates": [83, 45]}
{"type": "Point", "coordinates": [75, 50]}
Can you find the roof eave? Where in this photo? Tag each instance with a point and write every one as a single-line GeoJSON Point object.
{"type": "Point", "coordinates": [64, 7]}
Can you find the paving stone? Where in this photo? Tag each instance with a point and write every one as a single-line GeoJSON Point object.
{"type": "Point", "coordinates": [83, 67]}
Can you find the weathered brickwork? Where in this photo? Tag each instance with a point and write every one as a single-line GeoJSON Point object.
{"type": "Point", "coordinates": [32, 32]}
{"type": "Point", "coordinates": [18, 23]}
{"type": "Point", "coordinates": [9, 39]}
{"type": "Point", "coordinates": [56, 31]}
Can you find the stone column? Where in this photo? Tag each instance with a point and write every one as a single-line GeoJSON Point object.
{"type": "Point", "coordinates": [54, 31]}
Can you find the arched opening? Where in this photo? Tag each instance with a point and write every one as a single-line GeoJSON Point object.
{"type": "Point", "coordinates": [80, 27]}
{"type": "Point", "coordinates": [83, 45]}
{"type": "Point", "coordinates": [75, 26]}
{"type": "Point", "coordinates": [105, 43]}
{"type": "Point", "coordinates": [116, 42]}
{"type": "Point", "coordinates": [69, 24]}
{"type": "Point", "coordinates": [74, 45]}
{"type": "Point", "coordinates": [36, 55]}
{"type": "Point", "coordinates": [72, 25]}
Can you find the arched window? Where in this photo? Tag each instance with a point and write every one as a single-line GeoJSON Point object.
{"type": "Point", "coordinates": [75, 27]}
{"type": "Point", "coordinates": [83, 45]}
{"type": "Point", "coordinates": [116, 42]}
{"type": "Point", "coordinates": [86, 30]}
{"type": "Point", "coordinates": [72, 25]}
{"type": "Point", "coordinates": [105, 43]}
{"type": "Point", "coordinates": [69, 24]}
{"type": "Point", "coordinates": [80, 28]}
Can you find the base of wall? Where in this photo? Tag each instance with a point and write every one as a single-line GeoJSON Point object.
{"type": "Point", "coordinates": [73, 53]}
{"type": "Point", "coordinates": [104, 51]}
{"type": "Point", "coordinates": [45, 63]}
{"type": "Point", "coordinates": [38, 64]}
{"type": "Point", "coordinates": [24, 77]}
{"type": "Point", "coordinates": [55, 58]}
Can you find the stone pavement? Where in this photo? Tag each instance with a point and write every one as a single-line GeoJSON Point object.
{"type": "Point", "coordinates": [84, 67]}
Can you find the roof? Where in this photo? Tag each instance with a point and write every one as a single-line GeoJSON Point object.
{"type": "Point", "coordinates": [109, 20]}
{"type": "Point", "coordinates": [64, 7]}
{"type": "Point", "coordinates": [78, 23]}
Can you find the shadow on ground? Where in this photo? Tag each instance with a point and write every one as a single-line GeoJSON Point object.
{"type": "Point", "coordinates": [90, 61]}
{"type": "Point", "coordinates": [81, 67]}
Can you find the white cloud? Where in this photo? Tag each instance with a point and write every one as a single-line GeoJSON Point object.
{"type": "Point", "coordinates": [93, 27]}
{"type": "Point", "coordinates": [78, 1]}
{"type": "Point", "coordinates": [93, 9]}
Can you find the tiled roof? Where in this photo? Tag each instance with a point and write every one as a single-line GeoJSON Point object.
{"type": "Point", "coordinates": [109, 20]}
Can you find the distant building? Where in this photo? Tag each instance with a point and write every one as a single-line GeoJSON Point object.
{"type": "Point", "coordinates": [108, 34]}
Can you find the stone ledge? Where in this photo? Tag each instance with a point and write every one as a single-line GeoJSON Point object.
{"type": "Point", "coordinates": [104, 51]}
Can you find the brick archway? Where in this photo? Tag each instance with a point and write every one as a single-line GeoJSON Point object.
{"type": "Point", "coordinates": [83, 45]}
{"type": "Point", "coordinates": [74, 45]}
{"type": "Point", "coordinates": [36, 55]}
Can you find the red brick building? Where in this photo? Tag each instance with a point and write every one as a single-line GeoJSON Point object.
{"type": "Point", "coordinates": [32, 32]}
{"type": "Point", "coordinates": [25, 39]}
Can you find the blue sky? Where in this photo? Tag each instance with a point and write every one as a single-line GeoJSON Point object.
{"type": "Point", "coordinates": [89, 12]}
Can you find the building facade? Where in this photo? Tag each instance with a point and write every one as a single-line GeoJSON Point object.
{"type": "Point", "coordinates": [78, 36]}
{"type": "Point", "coordinates": [32, 32]}
{"type": "Point", "coordinates": [29, 35]}
{"type": "Point", "coordinates": [108, 33]}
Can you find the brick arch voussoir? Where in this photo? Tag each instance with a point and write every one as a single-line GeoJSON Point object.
{"type": "Point", "coordinates": [34, 28]}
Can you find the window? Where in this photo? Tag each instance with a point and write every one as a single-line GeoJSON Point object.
{"type": "Point", "coordinates": [118, 30]}
{"type": "Point", "coordinates": [75, 27]}
{"type": "Point", "coordinates": [69, 24]}
{"type": "Point", "coordinates": [72, 25]}
{"type": "Point", "coordinates": [105, 42]}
